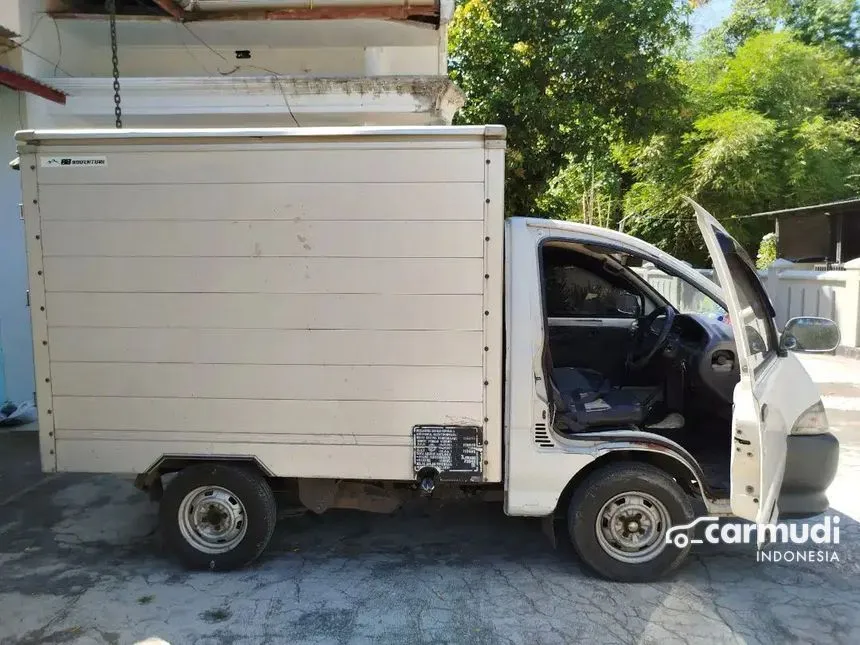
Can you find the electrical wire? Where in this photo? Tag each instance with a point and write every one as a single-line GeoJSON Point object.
{"type": "Point", "coordinates": [20, 111]}
{"type": "Point", "coordinates": [29, 36]}
{"type": "Point", "coordinates": [23, 45]}
{"type": "Point", "coordinates": [275, 75]}
{"type": "Point", "coordinates": [211, 49]}
{"type": "Point", "coordinates": [50, 62]}
{"type": "Point", "coordinates": [59, 47]}
{"type": "Point", "coordinates": [191, 53]}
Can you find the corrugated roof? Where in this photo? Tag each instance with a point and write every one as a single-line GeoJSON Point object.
{"type": "Point", "coordinates": [831, 207]}
{"type": "Point", "coordinates": [23, 83]}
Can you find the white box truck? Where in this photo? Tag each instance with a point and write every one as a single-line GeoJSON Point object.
{"type": "Point", "coordinates": [345, 315]}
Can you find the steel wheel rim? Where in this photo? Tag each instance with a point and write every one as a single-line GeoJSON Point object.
{"type": "Point", "coordinates": [631, 527]}
{"type": "Point", "coordinates": [212, 519]}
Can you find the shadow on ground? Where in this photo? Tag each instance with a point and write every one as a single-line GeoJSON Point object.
{"type": "Point", "coordinates": [81, 563]}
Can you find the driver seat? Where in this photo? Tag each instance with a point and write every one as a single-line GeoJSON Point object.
{"type": "Point", "coordinates": [569, 379]}
{"type": "Point", "coordinates": [587, 400]}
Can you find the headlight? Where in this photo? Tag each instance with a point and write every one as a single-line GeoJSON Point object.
{"type": "Point", "coordinates": [812, 421]}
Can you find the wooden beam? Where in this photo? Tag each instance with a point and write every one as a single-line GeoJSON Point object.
{"type": "Point", "coordinates": [349, 12]}
{"type": "Point", "coordinates": [172, 8]}
{"type": "Point", "coordinates": [143, 17]}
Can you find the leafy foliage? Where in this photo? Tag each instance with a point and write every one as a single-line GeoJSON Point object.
{"type": "Point", "coordinates": [761, 135]}
{"type": "Point", "coordinates": [748, 18]}
{"type": "Point", "coordinates": [766, 251]}
{"type": "Point", "coordinates": [814, 22]}
{"type": "Point", "coordinates": [836, 22]}
{"type": "Point", "coordinates": [610, 122]}
{"type": "Point", "coordinates": [565, 76]}
{"type": "Point", "coordinates": [588, 191]}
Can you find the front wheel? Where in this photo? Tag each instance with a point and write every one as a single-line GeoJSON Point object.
{"type": "Point", "coordinates": [217, 516]}
{"type": "Point", "coordinates": [618, 519]}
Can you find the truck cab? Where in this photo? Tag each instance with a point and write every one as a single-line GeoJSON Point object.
{"type": "Point", "coordinates": [626, 403]}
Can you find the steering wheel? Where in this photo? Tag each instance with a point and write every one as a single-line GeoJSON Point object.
{"type": "Point", "coordinates": [647, 342]}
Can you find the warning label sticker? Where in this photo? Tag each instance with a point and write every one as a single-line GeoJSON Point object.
{"type": "Point", "coordinates": [77, 161]}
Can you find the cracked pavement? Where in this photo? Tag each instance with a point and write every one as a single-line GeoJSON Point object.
{"type": "Point", "coordinates": [80, 563]}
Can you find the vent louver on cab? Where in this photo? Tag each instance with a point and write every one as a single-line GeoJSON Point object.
{"type": "Point", "coordinates": [542, 438]}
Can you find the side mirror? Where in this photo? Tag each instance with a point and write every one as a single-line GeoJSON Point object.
{"type": "Point", "coordinates": [810, 334]}
{"type": "Point", "coordinates": [628, 304]}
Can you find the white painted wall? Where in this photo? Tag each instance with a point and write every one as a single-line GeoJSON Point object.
{"type": "Point", "coordinates": [15, 337]}
{"type": "Point", "coordinates": [793, 292]}
{"type": "Point", "coordinates": [10, 15]}
{"type": "Point", "coordinates": [81, 48]}
{"type": "Point", "coordinates": [181, 76]}
{"type": "Point", "coordinates": [175, 75]}
{"type": "Point", "coordinates": [251, 102]}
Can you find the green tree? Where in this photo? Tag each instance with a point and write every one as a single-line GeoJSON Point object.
{"type": "Point", "coordinates": [766, 251]}
{"type": "Point", "coordinates": [747, 18]}
{"type": "Point", "coordinates": [814, 22]}
{"type": "Point", "coordinates": [587, 191]}
{"type": "Point", "coordinates": [758, 131]}
{"type": "Point", "coordinates": [835, 22]}
{"type": "Point", "coordinates": [611, 120]}
{"type": "Point", "coordinates": [566, 77]}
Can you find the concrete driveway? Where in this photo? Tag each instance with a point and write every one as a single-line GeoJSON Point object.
{"type": "Point", "coordinates": [80, 563]}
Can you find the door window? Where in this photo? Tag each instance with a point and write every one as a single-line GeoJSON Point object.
{"type": "Point", "coordinates": [757, 312]}
{"type": "Point", "coordinates": [574, 292]}
{"type": "Point", "coordinates": [684, 296]}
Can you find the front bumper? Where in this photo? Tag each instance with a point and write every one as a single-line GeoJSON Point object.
{"type": "Point", "coordinates": [810, 467]}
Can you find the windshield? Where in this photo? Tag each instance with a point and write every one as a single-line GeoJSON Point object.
{"type": "Point", "coordinates": [684, 296]}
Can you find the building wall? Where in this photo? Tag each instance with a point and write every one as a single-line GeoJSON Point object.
{"type": "Point", "coordinates": [186, 76]}
{"type": "Point", "coordinates": [81, 48]}
{"type": "Point", "coordinates": [15, 337]}
{"type": "Point", "coordinates": [74, 56]}
{"type": "Point", "coordinates": [10, 15]}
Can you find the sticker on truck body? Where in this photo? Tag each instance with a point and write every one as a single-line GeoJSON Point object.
{"type": "Point", "coordinates": [453, 453]}
{"type": "Point", "coordinates": [76, 161]}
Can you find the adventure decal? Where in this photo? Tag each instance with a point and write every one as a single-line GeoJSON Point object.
{"type": "Point", "coordinates": [78, 161]}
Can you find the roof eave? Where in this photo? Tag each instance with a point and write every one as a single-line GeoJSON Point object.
{"type": "Point", "coordinates": [23, 83]}
{"type": "Point", "coordinates": [812, 209]}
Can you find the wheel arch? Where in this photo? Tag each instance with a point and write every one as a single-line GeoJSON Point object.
{"type": "Point", "coordinates": [150, 479]}
{"type": "Point", "coordinates": [674, 466]}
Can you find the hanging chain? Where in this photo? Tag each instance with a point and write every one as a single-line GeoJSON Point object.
{"type": "Point", "coordinates": [111, 7]}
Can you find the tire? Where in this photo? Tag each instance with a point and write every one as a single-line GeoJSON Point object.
{"type": "Point", "coordinates": [217, 517]}
{"type": "Point", "coordinates": [614, 496]}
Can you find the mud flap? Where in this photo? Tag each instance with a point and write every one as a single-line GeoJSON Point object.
{"type": "Point", "coordinates": [548, 527]}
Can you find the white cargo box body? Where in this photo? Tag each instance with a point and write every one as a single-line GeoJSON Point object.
{"type": "Point", "coordinates": [302, 297]}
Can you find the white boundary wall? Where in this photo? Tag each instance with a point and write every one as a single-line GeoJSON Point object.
{"type": "Point", "coordinates": [794, 292]}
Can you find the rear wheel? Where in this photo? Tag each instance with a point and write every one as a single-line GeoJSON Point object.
{"type": "Point", "coordinates": [619, 517]}
{"type": "Point", "coordinates": [217, 516]}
